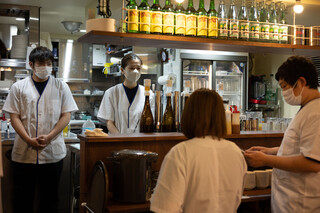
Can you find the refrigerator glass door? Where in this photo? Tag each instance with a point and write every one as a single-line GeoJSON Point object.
{"type": "Point", "coordinates": [199, 72]}
{"type": "Point", "coordinates": [229, 81]}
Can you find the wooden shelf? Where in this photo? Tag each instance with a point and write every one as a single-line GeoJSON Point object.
{"type": "Point", "coordinates": [182, 42]}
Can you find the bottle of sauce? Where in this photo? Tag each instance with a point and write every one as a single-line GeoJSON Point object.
{"type": "Point", "coordinates": [235, 119]}
{"type": "Point", "coordinates": [228, 120]}
{"type": "Point", "coordinates": [146, 120]}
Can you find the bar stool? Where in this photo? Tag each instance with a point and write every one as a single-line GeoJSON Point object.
{"type": "Point", "coordinates": [98, 190]}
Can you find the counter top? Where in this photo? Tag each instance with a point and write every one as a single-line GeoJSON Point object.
{"type": "Point", "coordinates": [173, 136]}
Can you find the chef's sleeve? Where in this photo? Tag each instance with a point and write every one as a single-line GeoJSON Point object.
{"type": "Point", "coordinates": [12, 103]}
{"type": "Point", "coordinates": [106, 109]}
{"type": "Point", "coordinates": [68, 102]}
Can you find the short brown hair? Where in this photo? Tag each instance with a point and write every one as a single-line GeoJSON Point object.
{"type": "Point", "coordinates": [204, 115]}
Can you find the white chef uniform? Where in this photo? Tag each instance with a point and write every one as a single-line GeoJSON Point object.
{"type": "Point", "coordinates": [200, 175]}
{"type": "Point", "coordinates": [115, 106]}
{"type": "Point", "coordinates": [39, 115]}
{"type": "Point", "coordinates": [292, 191]}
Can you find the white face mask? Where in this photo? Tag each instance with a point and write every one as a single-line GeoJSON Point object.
{"type": "Point", "coordinates": [290, 98]}
{"type": "Point", "coordinates": [43, 72]}
{"type": "Point", "coordinates": [132, 76]}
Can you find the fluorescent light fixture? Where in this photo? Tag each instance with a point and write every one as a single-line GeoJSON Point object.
{"type": "Point", "coordinates": [83, 31]}
{"type": "Point", "coordinates": [68, 56]}
{"type": "Point", "coordinates": [298, 7]}
{"type": "Point", "coordinates": [19, 19]}
{"type": "Point", "coordinates": [33, 18]}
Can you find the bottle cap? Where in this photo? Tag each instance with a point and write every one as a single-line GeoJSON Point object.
{"type": "Point", "coordinates": [187, 83]}
{"type": "Point", "coordinates": [88, 117]}
{"type": "Point", "coordinates": [235, 110]}
{"type": "Point", "coordinates": [147, 82]}
{"type": "Point", "coordinates": [169, 83]}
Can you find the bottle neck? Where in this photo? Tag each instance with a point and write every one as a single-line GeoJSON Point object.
{"type": "Point", "coordinates": [155, 1]}
{"type": "Point", "coordinates": [190, 3]}
{"type": "Point", "coordinates": [132, 2]}
{"type": "Point", "coordinates": [212, 6]}
{"type": "Point", "coordinates": [201, 4]}
{"type": "Point", "coordinates": [144, 1]}
{"type": "Point", "coordinates": [168, 3]}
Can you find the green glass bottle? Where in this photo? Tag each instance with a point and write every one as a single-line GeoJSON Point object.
{"type": "Point", "coordinates": [168, 18]}
{"type": "Point", "coordinates": [243, 22]}
{"type": "Point", "coordinates": [264, 24]}
{"type": "Point", "coordinates": [283, 30]}
{"type": "Point", "coordinates": [146, 120]}
{"type": "Point", "coordinates": [191, 20]}
{"type": "Point", "coordinates": [222, 21]}
{"type": "Point", "coordinates": [180, 20]}
{"type": "Point", "coordinates": [156, 18]}
{"type": "Point", "coordinates": [212, 21]}
{"type": "Point", "coordinates": [168, 123]}
{"type": "Point", "coordinates": [253, 23]}
{"type": "Point", "coordinates": [133, 17]}
{"type": "Point", "coordinates": [145, 17]}
{"type": "Point", "coordinates": [233, 22]}
{"type": "Point", "coordinates": [274, 25]}
{"type": "Point", "coordinates": [202, 20]}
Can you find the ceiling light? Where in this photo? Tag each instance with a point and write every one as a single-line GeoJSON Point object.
{"type": "Point", "coordinates": [298, 7]}
{"type": "Point", "coordinates": [19, 19]}
{"type": "Point", "coordinates": [83, 31]}
{"type": "Point", "coordinates": [72, 26]}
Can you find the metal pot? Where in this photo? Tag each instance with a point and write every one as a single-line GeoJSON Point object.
{"type": "Point", "coordinates": [132, 175]}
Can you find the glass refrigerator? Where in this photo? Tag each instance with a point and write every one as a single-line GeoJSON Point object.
{"type": "Point", "coordinates": [225, 72]}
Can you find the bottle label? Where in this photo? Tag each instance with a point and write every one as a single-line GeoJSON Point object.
{"type": "Point", "coordinates": [191, 24]}
{"type": "Point", "coordinates": [254, 30]}
{"type": "Point", "coordinates": [234, 29]}
{"type": "Point", "coordinates": [244, 30]}
{"type": "Point", "coordinates": [133, 19]}
{"type": "Point", "coordinates": [180, 24]}
{"type": "Point", "coordinates": [223, 28]}
{"type": "Point", "coordinates": [264, 31]}
{"type": "Point", "coordinates": [168, 23]}
{"type": "Point", "coordinates": [145, 18]}
{"type": "Point", "coordinates": [283, 33]}
{"type": "Point", "coordinates": [212, 26]}
{"type": "Point", "coordinates": [156, 22]}
{"type": "Point", "coordinates": [202, 26]}
{"type": "Point", "coordinates": [274, 32]}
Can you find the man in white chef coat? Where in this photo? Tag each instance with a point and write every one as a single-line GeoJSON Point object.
{"type": "Point", "coordinates": [40, 107]}
{"type": "Point", "coordinates": [296, 163]}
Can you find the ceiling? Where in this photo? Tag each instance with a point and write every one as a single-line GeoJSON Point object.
{"type": "Point", "coordinates": [53, 12]}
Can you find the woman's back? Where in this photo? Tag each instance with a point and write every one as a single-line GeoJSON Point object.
{"type": "Point", "coordinates": [200, 175]}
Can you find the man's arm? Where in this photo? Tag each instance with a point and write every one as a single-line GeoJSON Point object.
{"type": "Point", "coordinates": [62, 123]}
{"type": "Point", "coordinates": [21, 131]}
{"type": "Point", "coordinates": [292, 164]}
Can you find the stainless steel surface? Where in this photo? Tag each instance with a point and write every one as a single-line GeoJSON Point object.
{"type": "Point", "coordinates": [158, 111]}
{"type": "Point", "coordinates": [12, 63]}
{"type": "Point", "coordinates": [176, 109]}
{"type": "Point", "coordinates": [150, 58]}
{"type": "Point", "coordinates": [74, 61]}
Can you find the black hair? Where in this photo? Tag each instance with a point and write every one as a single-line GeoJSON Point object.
{"type": "Point", "coordinates": [127, 58]}
{"type": "Point", "coordinates": [40, 54]}
{"type": "Point", "coordinates": [295, 67]}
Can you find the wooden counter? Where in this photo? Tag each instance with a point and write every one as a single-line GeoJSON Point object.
{"type": "Point", "coordinates": [93, 149]}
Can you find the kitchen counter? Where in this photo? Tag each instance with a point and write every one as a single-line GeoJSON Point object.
{"type": "Point", "coordinates": [93, 149]}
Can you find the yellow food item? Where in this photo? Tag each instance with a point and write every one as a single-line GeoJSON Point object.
{"type": "Point", "coordinates": [94, 133]}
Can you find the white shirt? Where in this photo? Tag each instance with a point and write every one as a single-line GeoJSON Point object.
{"type": "Point", "coordinates": [292, 191]}
{"type": "Point", "coordinates": [200, 175]}
{"type": "Point", "coordinates": [115, 106]}
{"type": "Point", "coordinates": [39, 115]}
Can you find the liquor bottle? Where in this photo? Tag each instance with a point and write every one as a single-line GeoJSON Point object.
{"type": "Point", "coordinates": [191, 20]}
{"type": "Point", "coordinates": [243, 22]}
{"type": "Point", "coordinates": [168, 123]}
{"type": "Point", "coordinates": [212, 21]}
{"type": "Point", "coordinates": [146, 120]}
{"type": "Point", "coordinates": [253, 23]}
{"type": "Point", "coordinates": [222, 21]}
{"type": "Point", "coordinates": [168, 18]}
{"type": "Point", "coordinates": [202, 20]}
{"type": "Point", "coordinates": [274, 25]}
{"type": "Point", "coordinates": [180, 20]}
{"type": "Point", "coordinates": [233, 22]}
{"type": "Point", "coordinates": [133, 17]}
{"type": "Point", "coordinates": [156, 18]}
{"type": "Point", "coordinates": [283, 30]}
{"type": "Point", "coordinates": [264, 24]}
{"type": "Point", "coordinates": [145, 17]}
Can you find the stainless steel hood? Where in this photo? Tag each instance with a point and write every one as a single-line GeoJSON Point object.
{"type": "Point", "coordinates": [19, 63]}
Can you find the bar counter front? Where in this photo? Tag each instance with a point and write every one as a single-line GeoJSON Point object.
{"type": "Point", "coordinates": [93, 149]}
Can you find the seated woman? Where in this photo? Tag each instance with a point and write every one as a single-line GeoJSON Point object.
{"type": "Point", "coordinates": [206, 172]}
